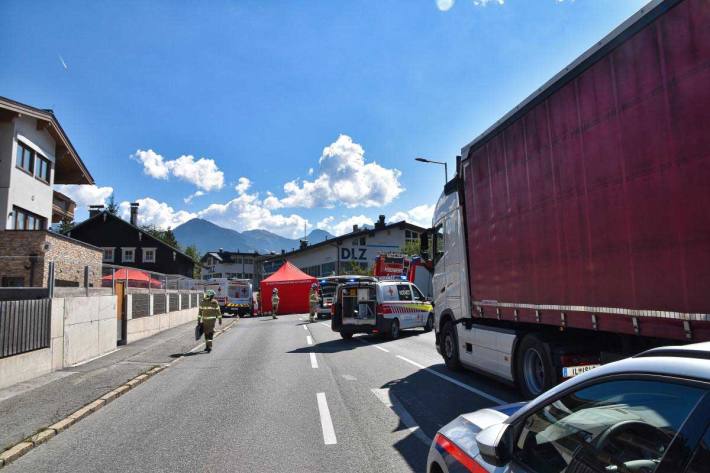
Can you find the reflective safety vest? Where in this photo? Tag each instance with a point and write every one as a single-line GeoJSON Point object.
{"type": "Point", "coordinates": [275, 299]}
{"type": "Point", "coordinates": [314, 297]}
{"type": "Point", "coordinates": [209, 309]}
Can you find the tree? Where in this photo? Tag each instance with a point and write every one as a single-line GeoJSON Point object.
{"type": "Point", "coordinates": [194, 253]}
{"type": "Point", "coordinates": [166, 236]}
{"type": "Point", "coordinates": [112, 206]}
{"type": "Point", "coordinates": [66, 225]}
{"type": "Point", "coordinates": [411, 248]}
{"type": "Point", "coordinates": [351, 267]}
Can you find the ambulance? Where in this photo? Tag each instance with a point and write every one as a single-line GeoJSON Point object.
{"type": "Point", "coordinates": [234, 296]}
{"type": "Point", "coordinates": [380, 307]}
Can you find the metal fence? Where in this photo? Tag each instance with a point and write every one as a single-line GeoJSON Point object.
{"type": "Point", "coordinates": [135, 278]}
{"type": "Point", "coordinates": [25, 325]}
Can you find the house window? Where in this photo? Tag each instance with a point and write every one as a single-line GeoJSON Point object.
{"type": "Point", "coordinates": [410, 236]}
{"type": "Point", "coordinates": [248, 261]}
{"type": "Point", "coordinates": [25, 157]}
{"type": "Point", "coordinates": [149, 255]}
{"type": "Point", "coordinates": [25, 220]}
{"type": "Point", "coordinates": [128, 255]}
{"type": "Point", "coordinates": [363, 242]}
{"type": "Point", "coordinates": [109, 254]}
{"type": "Point", "coordinates": [43, 169]}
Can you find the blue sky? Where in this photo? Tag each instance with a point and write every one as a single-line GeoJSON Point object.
{"type": "Point", "coordinates": [276, 114]}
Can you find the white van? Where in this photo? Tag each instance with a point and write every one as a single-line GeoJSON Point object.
{"type": "Point", "coordinates": [383, 307]}
{"type": "Point", "coordinates": [233, 295]}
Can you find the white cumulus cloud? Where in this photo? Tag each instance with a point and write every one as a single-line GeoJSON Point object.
{"type": "Point", "coordinates": [483, 3]}
{"type": "Point", "coordinates": [344, 178]}
{"type": "Point", "coordinates": [420, 215]}
{"type": "Point", "coordinates": [444, 5]}
{"type": "Point", "coordinates": [243, 185]}
{"type": "Point", "coordinates": [203, 172]}
{"type": "Point", "coordinates": [189, 198]}
{"type": "Point", "coordinates": [344, 226]}
{"type": "Point", "coordinates": [85, 195]}
{"type": "Point", "coordinates": [159, 214]}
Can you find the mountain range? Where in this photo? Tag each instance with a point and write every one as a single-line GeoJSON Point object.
{"type": "Point", "coordinates": [207, 236]}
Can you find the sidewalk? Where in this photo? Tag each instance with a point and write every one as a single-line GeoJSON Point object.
{"type": "Point", "coordinates": [28, 407]}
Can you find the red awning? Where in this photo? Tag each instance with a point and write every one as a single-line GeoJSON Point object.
{"type": "Point", "coordinates": [135, 277]}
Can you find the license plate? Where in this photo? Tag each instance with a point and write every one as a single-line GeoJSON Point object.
{"type": "Point", "coordinates": [572, 371]}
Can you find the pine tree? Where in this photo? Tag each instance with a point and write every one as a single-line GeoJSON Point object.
{"type": "Point", "coordinates": [112, 206]}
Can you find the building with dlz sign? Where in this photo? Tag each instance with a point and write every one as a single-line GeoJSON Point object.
{"type": "Point", "coordinates": [338, 255]}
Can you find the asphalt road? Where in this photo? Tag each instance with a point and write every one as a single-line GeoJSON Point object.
{"type": "Point", "coordinates": [277, 395]}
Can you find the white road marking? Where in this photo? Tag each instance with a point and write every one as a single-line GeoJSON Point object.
{"type": "Point", "coordinates": [314, 362]}
{"type": "Point", "coordinates": [93, 359]}
{"type": "Point", "coordinates": [305, 327]}
{"type": "Point", "coordinates": [309, 340]}
{"type": "Point", "coordinates": [349, 377]}
{"type": "Point", "coordinates": [389, 400]}
{"type": "Point", "coordinates": [455, 381]}
{"type": "Point", "coordinates": [325, 421]}
{"type": "Point", "coordinates": [374, 345]}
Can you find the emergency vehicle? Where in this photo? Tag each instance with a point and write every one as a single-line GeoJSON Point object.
{"type": "Point", "coordinates": [327, 287]}
{"type": "Point", "coordinates": [380, 307]}
{"type": "Point", "coordinates": [397, 266]}
{"type": "Point", "coordinates": [233, 295]}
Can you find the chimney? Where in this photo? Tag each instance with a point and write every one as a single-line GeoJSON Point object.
{"type": "Point", "coordinates": [355, 228]}
{"type": "Point", "coordinates": [95, 210]}
{"type": "Point", "coordinates": [134, 213]}
{"type": "Point", "coordinates": [380, 222]}
{"type": "Point", "coordinates": [303, 244]}
{"type": "Point", "coordinates": [221, 250]}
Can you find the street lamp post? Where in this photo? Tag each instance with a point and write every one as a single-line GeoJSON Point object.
{"type": "Point", "coordinates": [446, 168]}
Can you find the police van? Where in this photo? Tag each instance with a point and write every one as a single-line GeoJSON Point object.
{"type": "Point", "coordinates": [380, 307]}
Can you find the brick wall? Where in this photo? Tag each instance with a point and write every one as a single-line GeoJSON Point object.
{"type": "Point", "coordinates": [25, 257]}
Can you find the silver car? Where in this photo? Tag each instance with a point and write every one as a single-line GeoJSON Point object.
{"type": "Point", "coordinates": [646, 414]}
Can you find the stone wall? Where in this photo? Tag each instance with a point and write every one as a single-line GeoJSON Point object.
{"type": "Point", "coordinates": [25, 258]}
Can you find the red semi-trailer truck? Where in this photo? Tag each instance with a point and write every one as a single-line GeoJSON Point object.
{"type": "Point", "coordinates": [577, 228]}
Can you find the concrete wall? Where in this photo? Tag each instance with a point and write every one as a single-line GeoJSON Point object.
{"type": "Point", "coordinates": [89, 327]}
{"type": "Point", "coordinates": [142, 327]}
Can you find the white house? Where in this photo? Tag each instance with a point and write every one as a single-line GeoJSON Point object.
{"type": "Point", "coordinates": [35, 154]}
{"type": "Point", "coordinates": [229, 264]}
{"type": "Point", "coordinates": [337, 255]}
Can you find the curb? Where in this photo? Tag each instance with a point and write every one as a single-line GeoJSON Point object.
{"type": "Point", "coordinates": [21, 448]}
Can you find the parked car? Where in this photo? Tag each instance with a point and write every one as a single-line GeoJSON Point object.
{"type": "Point", "coordinates": [327, 287]}
{"type": "Point", "coordinates": [646, 414]}
{"type": "Point", "coordinates": [383, 307]}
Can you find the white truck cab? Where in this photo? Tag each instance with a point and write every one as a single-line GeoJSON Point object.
{"type": "Point", "coordinates": [459, 340]}
{"type": "Point", "coordinates": [383, 307]}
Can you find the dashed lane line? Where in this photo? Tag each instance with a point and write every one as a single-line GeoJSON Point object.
{"type": "Point", "coordinates": [326, 422]}
{"type": "Point", "coordinates": [454, 381]}
{"type": "Point", "coordinates": [374, 345]}
{"type": "Point", "coordinates": [309, 340]}
{"type": "Point", "coordinates": [389, 400]}
{"type": "Point", "coordinates": [314, 361]}
{"type": "Point", "coordinates": [305, 327]}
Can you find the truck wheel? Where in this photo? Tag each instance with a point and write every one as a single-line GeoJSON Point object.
{"type": "Point", "coordinates": [429, 323]}
{"type": "Point", "coordinates": [346, 335]}
{"type": "Point", "coordinates": [533, 365]}
{"type": "Point", "coordinates": [450, 347]}
{"type": "Point", "coordinates": [394, 330]}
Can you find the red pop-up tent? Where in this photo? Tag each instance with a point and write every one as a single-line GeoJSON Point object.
{"type": "Point", "coordinates": [293, 285]}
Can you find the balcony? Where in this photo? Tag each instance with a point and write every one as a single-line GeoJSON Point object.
{"type": "Point", "coordinates": [62, 207]}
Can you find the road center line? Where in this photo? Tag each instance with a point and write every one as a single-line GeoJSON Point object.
{"type": "Point", "coordinates": [389, 400]}
{"type": "Point", "coordinates": [325, 421]}
{"type": "Point", "coordinates": [309, 340]}
{"type": "Point", "coordinates": [454, 381]}
{"type": "Point", "coordinates": [305, 327]}
{"type": "Point", "coordinates": [314, 361]}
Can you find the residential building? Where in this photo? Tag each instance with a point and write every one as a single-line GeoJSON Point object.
{"type": "Point", "coordinates": [338, 255]}
{"type": "Point", "coordinates": [125, 244]}
{"type": "Point", "coordinates": [229, 264]}
{"type": "Point", "coordinates": [35, 155]}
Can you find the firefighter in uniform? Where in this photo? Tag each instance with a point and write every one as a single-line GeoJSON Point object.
{"type": "Point", "coordinates": [207, 315]}
{"type": "Point", "coordinates": [274, 302]}
{"type": "Point", "coordinates": [313, 301]}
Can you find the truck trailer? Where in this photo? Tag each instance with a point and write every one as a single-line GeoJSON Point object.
{"type": "Point", "coordinates": [577, 228]}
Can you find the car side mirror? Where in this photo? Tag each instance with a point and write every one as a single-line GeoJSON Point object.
{"type": "Point", "coordinates": [494, 445]}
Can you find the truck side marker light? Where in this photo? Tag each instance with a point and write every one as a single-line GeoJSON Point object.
{"type": "Point", "coordinates": [594, 321]}
{"type": "Point", "coordinates": [537, 316]}
{"type": "Point", "coordinates": [563, 320]}
{"type": "Point", "coordinates": [635, 321]}
{"type": "Point", "coordinates": [498, 312]}
{"type": "Point", "coordinates": [515, 314]}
